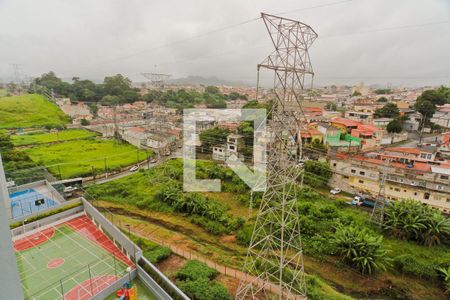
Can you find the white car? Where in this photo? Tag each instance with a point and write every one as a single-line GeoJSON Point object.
{"type": "Point", "coordinates": [134, 168]}
{"type": "Point", "coordinates": [335, 191]}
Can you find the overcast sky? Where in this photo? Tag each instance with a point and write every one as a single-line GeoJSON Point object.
{"type": "Point", "coordinates": [94, 38]}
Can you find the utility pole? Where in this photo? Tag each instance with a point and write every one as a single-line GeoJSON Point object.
{"type": "Point", "coordinates": [275, 255]}
{"type": "Point", "coordinates": [116, 126]}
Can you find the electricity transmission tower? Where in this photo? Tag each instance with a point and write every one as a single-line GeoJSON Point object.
{"type": "Point", "coordinates": [377, 216]}
{"type": "Point", "coordinates": [157, 80]}
{"type": "Point", "coordinates": [16, 70]}
{"type": "Point", "coordinates": [275, 256]}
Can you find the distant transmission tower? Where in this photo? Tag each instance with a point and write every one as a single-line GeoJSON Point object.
{"type": "Point", "coordinates": [275, 255]}
{"type": "Point", "coordinates": [377, 216]}
{"type": "Point", "coordinates": [157, 80]}
{"type": "Point", "coordinates": [16, 70]}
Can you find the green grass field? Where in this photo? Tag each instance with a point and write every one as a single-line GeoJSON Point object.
{"type": "Point", "coordinates": [41, 282]}
{"type": "Point", "coordinates": [45, 138]}
{"type": "Point", "coordinates": [30, 111]}
{"type": "Point", "coordinates": [77, 158]}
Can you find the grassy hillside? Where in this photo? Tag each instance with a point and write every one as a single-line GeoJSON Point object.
{"type": "Point", "coordinates": [30, 111]}
{"type": "Point", "coordinates": [45, 138]}
{"type": "Point", "coordinates": [77, 158]}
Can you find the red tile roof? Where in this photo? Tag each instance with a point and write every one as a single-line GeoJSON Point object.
{"type": "Point", "coordinates": [345, 122]}
{"type": "Point", "coordinates": [404, 150]}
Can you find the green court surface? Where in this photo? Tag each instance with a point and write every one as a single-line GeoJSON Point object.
{"type": "Point", "coordinates": [67, 261]}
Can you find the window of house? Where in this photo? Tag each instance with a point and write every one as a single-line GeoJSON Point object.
{"type": "Point", "coordinates": [353, 171]}
{"type": "Point", "coordinates": [415, 193]}
{"type": "Point", "coordinates": [346, 177]}
{"type": "Point", "coordinates": [361, 181]}
{"type": "Point", "coordinates": [334, 165]}
{"type": "Point", "coordinates": [426, 196]}
{"type": "Point", "coordinates": [423, 155]}
{"type": "Point", "coordinates": [440, 187]}
{"type": "Point", "coordinates": [448, 199]}
{"type": "Point", "coordinates": [429, 156]}
{"type": "Point", "coordinates": [232, 147]}
{"type": "Point", "coordinates": [404, 191]}
{"type": "Point", "coordinates": [362, 173]}
{"type": "Point", "coordinates": [444, 177]}
{"type": "Point", "coordinates": [401, 180]}
{"type": "Point", "coordinates": [390, 188]}
{"type": "Point", "coordinates": [397, 189]}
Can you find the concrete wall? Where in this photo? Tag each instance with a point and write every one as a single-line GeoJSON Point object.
{"type": "Point", "coordinates": [128, 247]}
{"type": "Point", "coordinates": [10, 284]}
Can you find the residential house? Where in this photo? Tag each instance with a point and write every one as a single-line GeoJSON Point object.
{"type": "Point", "coordinates": [442, 116]}
{"type": "Point", "coordinates": [409, 176]}
{"type": "Point", "coordinates": [363, 117]}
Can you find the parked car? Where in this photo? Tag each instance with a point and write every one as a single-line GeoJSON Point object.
{"type": "Point", "coordinates": [335, 191]}
{"type": "Point", "coordinates": [134, 168]}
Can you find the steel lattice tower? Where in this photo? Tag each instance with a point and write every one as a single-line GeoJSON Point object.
{"type": "Point", "coordinates": [157, 80]}
{"type": "Point", "coordinates": [275, 256]}
{"type": "Point", "coordinates": [377, 216]}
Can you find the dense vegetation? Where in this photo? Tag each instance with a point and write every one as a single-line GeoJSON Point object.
{"type": "Point", "coordinates": [180, 99]}
{"type": "Point", "coordinates": [317, 173]}
{"type": "Point", "coordinates": [389, 110]}
{"type": "Point", "coordinates": [197, 280]}
{"type": "Point", "coordinates": [427, 102]}
{"type": "Point", "coordinates": [166, 194]}
{"type": "Point", "coordinates": [119, 89]}
{"type": "Point", "coordinates": [30, 111]}
{"type": "Point", "coordinates": [411, 220]}
{"type": "Point", "coordinates": [335, 237]}
{"type": "Point", "coordinates": [114, 89]}
{"type": "Point", "coordinates": [18, 165]}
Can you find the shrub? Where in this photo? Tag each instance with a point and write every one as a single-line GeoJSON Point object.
{"type": "Point", "coordinates": [360, 249]}
{"type": "Point", "coordinates": [194, 270]}
{"type": "Point", "coordinates": [203, 289]}
{"type": "Point", "coordinates": [411, 220]}
{"type": "Point", "coordinates": [408, 264]}
{"type": "Point", "coordinates": [157, 254]}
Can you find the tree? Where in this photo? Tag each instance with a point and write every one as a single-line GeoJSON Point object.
{"type": "Point", "coordinates": [116, 85]}
{"type": "Point", "coordinates": [382, 99]}
{"type": "Point", "coordinates": [356, 94]}
{"type": "Point", "coordinates": [439, 96]}
{"type": "Point", "coordinates": [84, 122]}
{"type": "Point", "coordinates": [212, 89]}
{"type": "Point", "coordinates": [382, 91]}
{"type": "Point", "coordinates": [389, 110]}
{"type": "Point", "coordinates": [331, 106]}
{"type": "Point", "coordinates": [426, 108]}
{"type": "Point", "coordinates": [394, 126]}
{"type": "Point", "coordinates": [213, 136]}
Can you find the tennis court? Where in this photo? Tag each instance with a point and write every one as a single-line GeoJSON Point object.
{"type": "Point", "coordinates": [74, 259]}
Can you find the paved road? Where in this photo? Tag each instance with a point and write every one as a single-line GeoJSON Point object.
{"type": "Point", "coordinates": [144, 165]}
{"type": "Point", "coordinates": [414, 140]}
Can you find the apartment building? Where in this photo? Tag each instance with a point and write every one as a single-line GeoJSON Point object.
{"type": "Point", "coordinates": [411, 174]}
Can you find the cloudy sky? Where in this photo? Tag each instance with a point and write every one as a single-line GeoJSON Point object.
{"type": "Point", "coordinates": [375, 41]}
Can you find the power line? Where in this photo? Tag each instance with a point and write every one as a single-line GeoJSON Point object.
{"type": "Point", "coordinates": [220, 29]}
